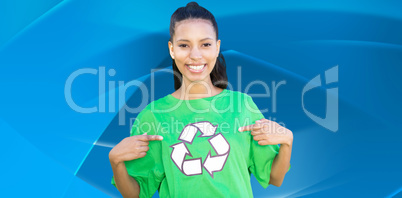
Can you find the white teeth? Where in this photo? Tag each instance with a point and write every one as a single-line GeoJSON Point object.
{"type": "Point", "coordinates": [199, 67]}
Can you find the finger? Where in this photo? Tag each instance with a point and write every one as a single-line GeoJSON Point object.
{"type": "Point", "coordinates": [142, 143]}
{"type": "Point", "coordinates": [258, 125]}
{"type": "Point", "coordinates": [256, 132]}
{"type": "Point", "coordinates": [263, 142]}
{"type": "Point", "coordinates": [142, 154]}
{"type": "Point", "coordinates": [143, 148]}
{"type": "Point", "coordinates": [250, 127]}
{"type": "Point", "coordinates": [263, 122]}
{"type": "Point", "coordinates": [259, 137]}
{"type": "Point", "coordinates": [150, 137]}
{"type": "Point", "coordinates": [245, 128]}
{"type": "Point", "coordinates": [266, 142]}
{"type": "Point", "coordinates": [264, 126]}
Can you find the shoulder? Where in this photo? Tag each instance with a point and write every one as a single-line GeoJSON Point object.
{"type": "Point", "coordinates": [153, 106]}
{"type": "Point", "coordinates": [239, 95]}
{"type": "Point", "coordinates": [159, 103]}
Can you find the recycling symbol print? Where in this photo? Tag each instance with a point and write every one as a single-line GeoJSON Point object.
{"type": "Point", "coordinates": [211, 163]}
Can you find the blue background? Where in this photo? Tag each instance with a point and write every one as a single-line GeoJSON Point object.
{"type": "Point", "coordinates": [50, 150]}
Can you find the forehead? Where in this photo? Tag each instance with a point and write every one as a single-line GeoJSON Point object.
{"type": "Point", "coordinates": [194, 28]}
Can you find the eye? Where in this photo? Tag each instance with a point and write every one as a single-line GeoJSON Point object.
{"type": "Point", "coordinates": [183, 45]}
{"type": "Point", "coordinates": [206, 44]}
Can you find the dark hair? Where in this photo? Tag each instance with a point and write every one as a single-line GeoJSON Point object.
{"type": "Point", "coordinates": [194, 11]}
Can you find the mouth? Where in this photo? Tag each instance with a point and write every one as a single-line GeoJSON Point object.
{"type": "Point", "coordinates": [196, 68]}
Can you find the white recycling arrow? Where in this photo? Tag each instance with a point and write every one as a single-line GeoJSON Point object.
{"type": "Point", "coordinates": [179, 153]}
{"type": "Point", "coordinates": [194, 166]}
{"type": "Point", "coordinates": [188, 167]}
{"type": "Point", "coordinates": [216, 163]}
{"type": "Point", "coordinates": [188, 133]}
{"type": "Point", "coordinates": [206, 128]}
{"type": "Point", "coordinates": [219, 143]}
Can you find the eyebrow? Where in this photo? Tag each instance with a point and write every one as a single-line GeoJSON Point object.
{"type": "Point", "coordinates": [189, 41]}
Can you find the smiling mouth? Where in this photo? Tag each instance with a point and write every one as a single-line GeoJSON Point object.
{"type": "Point", "coordinates": [196, 68]}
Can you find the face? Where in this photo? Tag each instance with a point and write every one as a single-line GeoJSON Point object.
{"type": "Point", "coordinates": [194, 49]}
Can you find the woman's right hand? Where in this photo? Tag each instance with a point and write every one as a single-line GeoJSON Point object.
{"type": "Point", "coordinates": [131, 148]}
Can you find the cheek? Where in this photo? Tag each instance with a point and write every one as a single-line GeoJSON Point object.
{"type": "Point", "coordinates": [181, 53]}
{"type": "Point", "coordinates": [212, 63]}
{"type": "Point", "coordinates": [211, 57]}
{"type": "Point", "coordinates": [180, 59]}
{"type": "Point", "coordinates": [211, 53]}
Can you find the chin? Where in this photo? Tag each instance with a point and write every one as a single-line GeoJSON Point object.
{"type": "Point", "coordinates": [197, 79]}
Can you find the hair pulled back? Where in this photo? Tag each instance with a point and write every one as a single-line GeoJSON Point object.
{"type": "Point", "coordinates": [194, 11]}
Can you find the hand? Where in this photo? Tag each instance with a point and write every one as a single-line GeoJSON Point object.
{"type": "Point", "coordinates": [131, 148]}
{"type": "Point", "coordinates": [268, 132]}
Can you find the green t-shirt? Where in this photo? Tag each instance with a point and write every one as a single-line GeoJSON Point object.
{"type": "Point", "coordinates": [202, 154]}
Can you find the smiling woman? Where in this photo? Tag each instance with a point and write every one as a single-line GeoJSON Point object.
{"type": "Point", "coordinates": [195, 48]}
{"type": "Point", "coordinates": [172, 159]}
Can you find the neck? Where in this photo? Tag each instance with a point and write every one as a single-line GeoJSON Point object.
{"type": "Point", "coordinates": [196, 90]}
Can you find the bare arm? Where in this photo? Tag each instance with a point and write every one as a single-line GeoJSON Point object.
{"type": "Point", "coordinates": [281, 164]}
{"type": "Point", "coordinates": [268, 132]}
{"type": "Point", "coordinates": [130, 148]}
{"type": "Point", "coordinates": [127, 185]}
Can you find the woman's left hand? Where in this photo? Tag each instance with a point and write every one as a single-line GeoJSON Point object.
{"type": "Point", "coordinates": [268, 132]}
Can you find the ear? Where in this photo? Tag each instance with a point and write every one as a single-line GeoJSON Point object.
{"type": "Point", "coordinates": [170, 44]}
{"type": "Point", "coordinates": [218, 47]}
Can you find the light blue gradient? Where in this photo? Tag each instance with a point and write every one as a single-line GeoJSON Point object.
{"type": "Point", "coordinates": [50, 150]}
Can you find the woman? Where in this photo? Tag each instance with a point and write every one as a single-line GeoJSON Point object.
{"type": "Point", "coordinates": [202, 140]}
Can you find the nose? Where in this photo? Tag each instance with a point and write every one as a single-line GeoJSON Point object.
{"type": "Point", "coordinates": [195, 53]}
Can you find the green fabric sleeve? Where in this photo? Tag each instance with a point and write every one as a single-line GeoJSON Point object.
{"type": "Point", "coordinates": [262, 156]}
{"type": "Point", "coordinates": [147, 171]}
